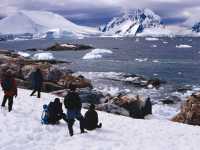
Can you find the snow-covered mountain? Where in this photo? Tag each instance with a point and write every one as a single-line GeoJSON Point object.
{"type": "Point", "coordinates": [196, 27]}
{"type": "Point", "coordinates": [146, 23]}
{"type": "Point", "coordinates": [132, 23]}
{"type": "Point", "coordinates": [42, 23]}
{"type": "Point", "coordinates": [21, 130]}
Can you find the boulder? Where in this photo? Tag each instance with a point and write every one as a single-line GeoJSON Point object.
{"type": "Point", "coordinates": [79, 81]}
{"type": "Point", "coordinates": [190, 111]}
{"type": "Point", "coordinates": [136, 106]}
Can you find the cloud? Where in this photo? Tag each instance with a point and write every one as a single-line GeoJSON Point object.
{"type": "Point", "coordinates": [101, 9]}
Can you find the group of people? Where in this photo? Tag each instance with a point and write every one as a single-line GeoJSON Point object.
{"type": "Point", "coordinates": [54, 112]}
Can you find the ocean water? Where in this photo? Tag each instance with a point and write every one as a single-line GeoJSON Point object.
{"type": "Point", "coordinates": [165, 58]}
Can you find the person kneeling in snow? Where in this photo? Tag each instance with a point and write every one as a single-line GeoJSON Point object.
{"type": "Point", "coordinates": [9, 87]}
{"type": "Point", "coordinates": [91, 119]}
{"type": "Point", "coordinates": [55, 112]}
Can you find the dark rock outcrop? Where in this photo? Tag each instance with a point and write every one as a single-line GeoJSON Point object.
{"type": "Point", "coordinates": [135, 106]}
{"type": "Point", "coordinates": [171, 100]}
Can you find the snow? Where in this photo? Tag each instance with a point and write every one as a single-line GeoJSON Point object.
{"type": "Point", "coordinates": [21, 129]}
{"type": "Point", "coordinates": [97, 53]}
{"type": "Point", "coordinates": [68, 45]}
{"type": "Point", "coordinates": [183, 46]}
{"type": "Point", "coordinates": [24, 54]}
{"type": "Point", "coordinates": [42, 22]}
{"type": "Point", "coordinates": [43, 56]}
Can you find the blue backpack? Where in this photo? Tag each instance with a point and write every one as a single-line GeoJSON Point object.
{"type": "Point", "coordinates": [44, 117]}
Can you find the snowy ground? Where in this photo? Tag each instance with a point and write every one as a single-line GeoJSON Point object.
{"type": "Point", "coordinates": [21, 130]}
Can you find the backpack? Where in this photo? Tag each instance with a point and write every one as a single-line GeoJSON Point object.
{"type": "Point", "coordinates": [7, 84]}
{"type": "Point", "coordinates": [44, 117]}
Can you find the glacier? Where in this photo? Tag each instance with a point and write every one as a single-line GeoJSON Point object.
{"type": "Point", "coordinates": [43, 24]}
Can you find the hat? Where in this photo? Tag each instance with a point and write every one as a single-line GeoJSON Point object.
{"type": "Point", "coordinates": [92, 106]}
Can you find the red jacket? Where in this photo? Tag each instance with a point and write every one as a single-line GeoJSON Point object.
{"type": "Point", "coordinates": [13, 91]}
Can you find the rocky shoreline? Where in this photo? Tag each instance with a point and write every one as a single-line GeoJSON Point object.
{"type": "Point", "coordinates": [57, 80]}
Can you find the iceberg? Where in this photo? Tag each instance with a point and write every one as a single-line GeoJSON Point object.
{"type": "Point", "coordinates": [183, 46]}
{"type": "Point", "coordinates": [43, 56]}
{"type": "Point", "coordinates": [151, 39]}
{"type": "Point", "coordinates": [97, 53]}
{"type": "Point", "coordinates": [24, 54]}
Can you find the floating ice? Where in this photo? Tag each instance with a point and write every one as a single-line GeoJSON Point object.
{"type": "Point", "coordinates": [141, 59]}
{"type": "Point", "coordinates": [151, 39]}
{"type": "Point", "coordinates": [155, 61]}
{"type": "Point", "coordinates": [96, 53]}
{"type": "Point", "coordinates": [43, 56]}
{"type": "Point", "coordinates": [154, 46]}
{"type": "Point", "coordinates": [24, 54]}
{"type": "Point", "coordinates": [183, 46]}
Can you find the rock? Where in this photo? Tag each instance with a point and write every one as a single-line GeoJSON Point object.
{"type": "Point", "coordinates": [190, 111]}
{"type": "Point", "coordinates": [31, 50]}
{"type": "Point", "coordinates": [50, 87]}
{"type": "Point", "coordinates": [184, 89]}
{"type": "Point", "coordinates": [136, 107]}
{"type": "Point", "coordinates": [80, 81]}
{"type": "Point", "coordinates": [68, 46]}
{"type": "Point", "coordinates": [23, 83]}
{"type": "Point", "coordinates": [113, 108]}
{"type": "Point", "coordinates": [4, 51]}
{"type": "Point", "coordinates": [90, 96]}
{"type": "Point", "coordinates": [171, 100]}
{"type": "Point", "coordinates": [155, 82]}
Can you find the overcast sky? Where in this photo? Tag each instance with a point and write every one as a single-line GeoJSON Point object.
{"type": "Point", "coordinates": [95, 12]}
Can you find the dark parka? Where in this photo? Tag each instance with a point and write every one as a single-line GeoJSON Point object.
{"type": "Point", "coordinates": [37, 80]}
{"type": "Point", "coordinates": [55, 112]}
{"type": "Point", "coordinates": [91, 120]}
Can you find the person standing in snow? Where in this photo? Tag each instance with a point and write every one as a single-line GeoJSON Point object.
{"type": "Point", "coordinates": [91, 119]}
{"type": "Point", "coordinates": [9, 87]}
{"type": "Point", "coordinates": [73, 105]}
{"type": "Point", "coordinates": [37, 80]}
